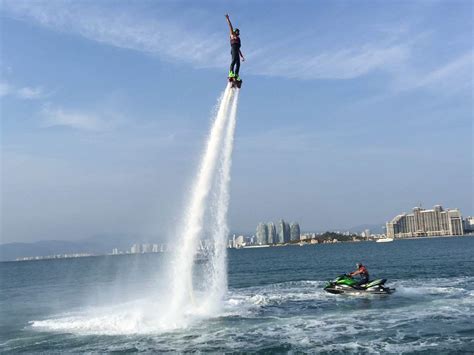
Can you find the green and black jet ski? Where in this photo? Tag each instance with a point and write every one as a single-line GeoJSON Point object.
{"type": "Point", "coordinates": [346, 284]}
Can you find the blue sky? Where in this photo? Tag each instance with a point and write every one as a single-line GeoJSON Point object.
{"type": "Point", "coordinates": [350, 112]}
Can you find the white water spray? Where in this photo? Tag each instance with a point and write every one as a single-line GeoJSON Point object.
{"type": "Point", "coordinates": [196, 290]}
{"type": "Point", "coordinates": [212, 179]}
{"type": "Point", "coordinates": [218, 261]}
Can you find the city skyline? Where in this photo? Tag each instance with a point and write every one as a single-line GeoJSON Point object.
{"type": "Point", "coordinates": [283, 232]}
{"type": "Point", "coordinates": [341, 123]}
{"type": "Point", "coordinates": [435, 222]}
{"type": "Point", "coordinates": [152, 240]}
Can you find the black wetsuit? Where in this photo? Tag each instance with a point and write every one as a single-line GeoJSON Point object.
{"type": "Point", "coordinates": [235, 51]}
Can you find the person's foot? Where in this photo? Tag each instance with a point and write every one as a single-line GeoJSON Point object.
{"type": "Point", "coordinates": [238, 78]}
{"type": "Point", "coordinates": [231, 74]}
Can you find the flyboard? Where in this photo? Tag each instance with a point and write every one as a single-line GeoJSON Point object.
{"type": "Point", "coordinates": [235, 83]}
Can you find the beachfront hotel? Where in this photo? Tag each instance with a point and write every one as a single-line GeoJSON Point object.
{"type": "Point", "coordinates": [425, 223]}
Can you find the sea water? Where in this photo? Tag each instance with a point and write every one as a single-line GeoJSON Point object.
{"type": "Point", "coordinates": [275, 302]}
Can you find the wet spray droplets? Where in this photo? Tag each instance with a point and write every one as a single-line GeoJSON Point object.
{"type": "Point", "coordinates": [195, 291]}
{"type": "Point", "coordinates": [209, 202]}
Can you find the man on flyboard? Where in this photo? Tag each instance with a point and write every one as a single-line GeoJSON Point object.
{"type": "Point", "coordinates": [236, 54]}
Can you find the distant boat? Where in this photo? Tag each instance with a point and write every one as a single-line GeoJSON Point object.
{"type": "Point", "coordinates": [384, 240]}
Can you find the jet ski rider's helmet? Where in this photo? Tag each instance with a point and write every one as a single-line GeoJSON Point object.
{"type": "Point", "coordinates": [237, 31]}
{"type": "Point", "coordinates": [358, 265]}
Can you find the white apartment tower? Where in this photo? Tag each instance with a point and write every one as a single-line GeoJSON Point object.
{"type": "Point", "coordinates": [420, 223]}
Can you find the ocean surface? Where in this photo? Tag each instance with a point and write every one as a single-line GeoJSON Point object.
{"type": "Point", "coordinates": [275, 302]}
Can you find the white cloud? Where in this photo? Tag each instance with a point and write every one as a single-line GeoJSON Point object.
{"type": "Point", "coordinates": [30, 93]}
{"type": "Point", "coordinates": [338, 64]}
{"type": "Point", "coordinates": [26, 93]}
{"type": "Point", "coordinates": [451, 78]}
{"type": "Point", "coordinates": [392, 51]}
{"type": "Point", "coordinates": [57, 116]}
{"type": "Point", "coordinates": [455, 75]}
{"type": "Point", "coordinates": [124, 30]}
{"type": "Point", "coordinates": [158, 36]}
{"type": "Point", "coordinates": [5, 89]}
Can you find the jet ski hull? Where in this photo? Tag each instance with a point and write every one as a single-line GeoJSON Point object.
{"type": "Point", "coordinates": [346, 284]}
{"type": "Point", "coordinates": [338, 290]}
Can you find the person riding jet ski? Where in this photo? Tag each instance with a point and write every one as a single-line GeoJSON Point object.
{"type": "Point", "coordinates": [362, 272]}
{"type": "Point", "coordinates": [346, 284]}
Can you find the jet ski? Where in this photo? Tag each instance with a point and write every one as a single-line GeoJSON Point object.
{"type": "Point", "coordinates": [346, 284]}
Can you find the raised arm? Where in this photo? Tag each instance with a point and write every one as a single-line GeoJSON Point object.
{"type": "Point", "coordinates": [229, 23]}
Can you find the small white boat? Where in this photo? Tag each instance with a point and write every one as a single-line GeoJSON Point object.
{"type": "Point", "coordinates": [384, 240]}
{"type": "Point", "coordinates": [255, 246]}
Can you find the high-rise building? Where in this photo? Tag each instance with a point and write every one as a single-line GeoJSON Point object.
{"type": "Point", "coordinates": [135, 249]}
{"type": "Point", "coordinates": [239, 241]}
{"type": "Point", "coordinates": [295, 232]}
{"type": "Point", "coordinates": [434, 222]}
{"type": "Point", "coordinates": [286, 235]}
{"type": "Point", "coordinates": [281, 232]}
{"type": "Point", "coordinates": [469, 224]}
{"type": "Point", "coordinates": [272, 234]}
{"type": "Point", "coordinates": [147, 248]}
{"type": "Point", "coordinates": [262, 234]}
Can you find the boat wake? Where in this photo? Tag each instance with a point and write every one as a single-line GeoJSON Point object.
{"type": "Point", "coordinates": [297, 315]}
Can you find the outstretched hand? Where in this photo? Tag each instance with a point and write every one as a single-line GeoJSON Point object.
{"type": "Point", "coordinates": [227, 16]}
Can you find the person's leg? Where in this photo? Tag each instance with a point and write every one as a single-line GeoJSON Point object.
{"type": "Point", "coordinates": [237, 65]}
{"type": "Point", "coordinates": [235, 57]}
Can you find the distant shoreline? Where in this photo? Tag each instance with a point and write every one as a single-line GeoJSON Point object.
{"type": "Point", "coordinates": [435, 236]}
{"type": "Point", "coordinates": [303, 243]}
{"type": "Point", "coordinates": [28, 259]}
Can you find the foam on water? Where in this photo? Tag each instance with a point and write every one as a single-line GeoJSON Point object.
{"type": "Point", "coordinates": [346, 318]}
{"type": "Point", "coordinates": [296, 315]}
{"type": "Point", "coordinates": [139, 317]}
{"type": "Point", "coordinates": [300, 315]}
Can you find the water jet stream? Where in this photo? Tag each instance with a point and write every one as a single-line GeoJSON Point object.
{"type": "Point", "coordinates": [218, 264]}
{"type": "Point", "coordinates": [212, 180]}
